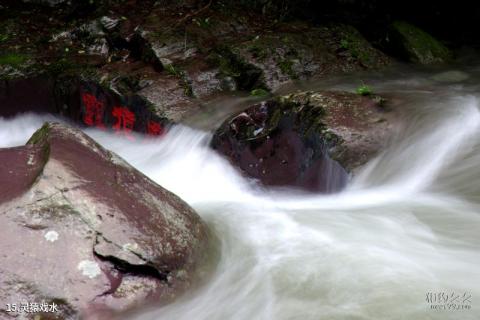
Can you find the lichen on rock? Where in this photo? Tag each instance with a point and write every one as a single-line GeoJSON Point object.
{"type": "Point", "coordinates": [97, 216]}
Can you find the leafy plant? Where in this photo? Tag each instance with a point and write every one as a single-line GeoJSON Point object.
{"type": "Point", "coordinates": [259, 92]}
{"type": "Point", "coordinates": [13, 59]}
{"type": "Point", "coordinates": [364, 90]}
{"type": "Point", "coordinates": [174, 71]}
{"type": "Point", "coordinates": [202, 22]}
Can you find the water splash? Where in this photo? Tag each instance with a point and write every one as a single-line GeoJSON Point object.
{"type": "Point", "coordinates": [406, 225]}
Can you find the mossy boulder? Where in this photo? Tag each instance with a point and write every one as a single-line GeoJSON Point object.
{"type": "Point", "coordinates": [416, 45]}
{"type": "Point", "coordinates": [297, 52]}
{"type": "Point", "coordinates": [310, 140]}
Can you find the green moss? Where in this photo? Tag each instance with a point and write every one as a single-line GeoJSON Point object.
{"type": "Point", "coordinates": [418, 45]}
{"type": "Point", "coordinates": [39, 135]}
{"type": "Point", "coordinates": [60, 66]}
{"type": "Point", "coordinates": [202, 22]}
{"type": "Point", "coordinates": [13, 59]}
{"type": "Point", "coordinates": [172, 70]}
{"type": "Point", "coordinates": [286, 66]}
{"type": "Point", "coordinates": [246, 75]}
{"type": "Point", "coordinates": [259, 93]}
{"type": "Point", "coordinates": [258, 51]}
{"type": "Point", "coordinates": [364, 90]}
{"type": "Point", "coordinates": [182, 76]}
{"type": "Point", "coordinates": [356, 48]}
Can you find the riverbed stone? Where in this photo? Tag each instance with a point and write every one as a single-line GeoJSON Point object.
{"type": "Point", "coordinates": [416, 44]}
{"type": "Point", "coordinates": [86, 231]}
{"type": "Point", "coordinates": [311, 140]}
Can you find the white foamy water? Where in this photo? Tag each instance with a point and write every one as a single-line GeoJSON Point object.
{"type": "Point", "coordinates": [406, 226]}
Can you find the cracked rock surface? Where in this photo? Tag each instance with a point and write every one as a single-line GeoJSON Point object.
{"type": "Point", "coordinates": [83, 229]}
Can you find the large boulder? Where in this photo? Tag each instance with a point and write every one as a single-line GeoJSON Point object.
{"type": "Point", "coordinates": [302, 53]}
{"type": "Point", "coordinates": [85, 102]}
{"type": "Point", "coordinates": [416, 45]}
{"type": "Point", "coordinates": [311, 140]}
{"type": "Point", "coordinates": [86, 231]}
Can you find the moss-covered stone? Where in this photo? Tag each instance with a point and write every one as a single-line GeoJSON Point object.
{"type": "Point", "coordinates": [13, 59]}
{"type": "Point", "coordinates": [231, 64]}
{"type": "Point", "coordinates": [417, 45]}
{"type": "Point", "coordinates": [40, 135]}
{"type": "Point", "coordinates": [259, 93]}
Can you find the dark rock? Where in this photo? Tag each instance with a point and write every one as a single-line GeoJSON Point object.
{"type": "Point", "coordinates": [215, 53]}
{"type": "Point", "coordinates": [416, 45]}
{"type": "Point", "coordinates": [51, 3]}
{"type": "Point", "coordinates": [84, 230]}
{"type": "Point", "coordinates": [176, 56]}
{"type": "Point", "coordinates": [311, 140]}
{"type": "Point", "coordinates": [169, 98]}
{"type": "Point", "coordinates": [303, 53]}
{"type": "Point", "coordinates": [84, 102]}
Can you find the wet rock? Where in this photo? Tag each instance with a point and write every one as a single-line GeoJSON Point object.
{"type": "Point", "coordinates": [214, 53]}
{"type": "Point", "coordinates": [301, 54]}
{"type": "Point", "coordinates": [85, 102]}
{"type": "Point", "coordinates": [84, 230]}
{"type": "Point", "coordinates": [169, 52]}
{"type": "Point", "coordinates": [90, 37]}
{"type": "Point", "coordinates": [311, 140]}
{"type": "Point", "coordinates": [169, 98]}
{"type": "Point", "coordinates": [416, 45]}
{"type": "Point", "coordinates": [177, 57]}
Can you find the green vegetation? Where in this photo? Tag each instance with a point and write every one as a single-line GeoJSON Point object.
{"type": "Point", "coordinates": [13, 59]}
{"type": "Point", "coordinates": [172, 70]}
{"type": "Point", "coordinates": [356, 48]}
{"type": "Point", "coordinates": [180, 74]}
{"type": "Point", "coordinates": [202, 22]}
{"type": "Point", "coordinates": [258, 52]}
{"type": "Point", "coordinates": [364, 90]}
{"type": "Point", "coordinates": [287, 68]}
{"type": "Point", "coordinates": [417, 45]}
{"type": "Point", "coordinates": [40, 134]}
{"type": "Point", "coordinates": [246, 76]}
{"type": "Point", "coordinates": [59, 66]}
{"type": "Point", "coordinates": [259, 93]}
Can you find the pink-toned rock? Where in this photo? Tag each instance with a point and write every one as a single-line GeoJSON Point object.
{"type": "Point", "coordinates": [84, 230]}
{"type": "Point", "coordinates": [310, 140]}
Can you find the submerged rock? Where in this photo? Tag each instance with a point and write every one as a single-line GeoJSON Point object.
{"type": "Point", "coordinates": [311, 140]}
{"type": "Point", "coordinates": [86, 231]}
{"type": "Point", "coordinates": [417, 45]}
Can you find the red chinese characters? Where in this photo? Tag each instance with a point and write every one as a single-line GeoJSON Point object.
{"type": "Point", "coordinates": [94, 110]}
{"type": "Point", "coordinates": [154, 128]}
{"type": "Point", "coordinates": [125, 120]}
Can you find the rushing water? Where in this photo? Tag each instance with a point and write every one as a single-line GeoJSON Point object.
{"type": "Point", "coordinates": [407, 225]}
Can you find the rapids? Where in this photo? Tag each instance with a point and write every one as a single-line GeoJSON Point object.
{"type": "Point", "coordinates": [407, 226]}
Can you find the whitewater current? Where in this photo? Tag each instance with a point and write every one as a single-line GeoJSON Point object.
{"type": "Point", "coordinates": [405, 229]}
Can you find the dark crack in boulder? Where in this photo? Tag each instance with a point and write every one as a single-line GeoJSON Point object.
{"type": "Point", "coordinates": [84, 230]}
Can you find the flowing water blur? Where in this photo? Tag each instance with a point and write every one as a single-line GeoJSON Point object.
{"type": "Point", "coordinates": [407, 225]}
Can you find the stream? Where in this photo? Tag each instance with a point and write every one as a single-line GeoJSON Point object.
{"type": "Point", "coordinates": [401, 237]}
